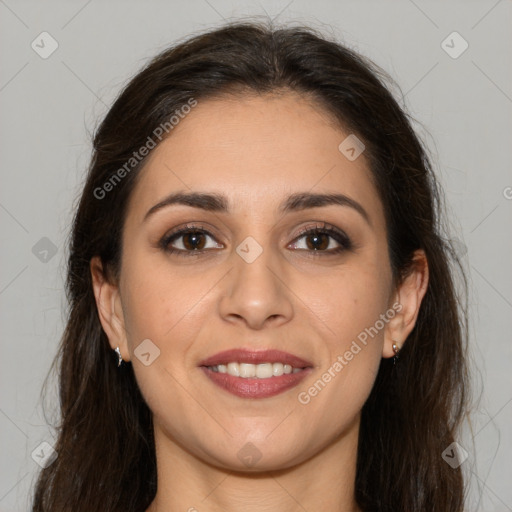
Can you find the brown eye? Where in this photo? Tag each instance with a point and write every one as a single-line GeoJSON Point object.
{"type": "Point", "coordinates": [317, 241]}
{"type": "Point", "coordinates": [188, 240]}
{"type": "Point", "coordinates": [323, 240]}
{"type": "Point", "coordinates": [194, 240]}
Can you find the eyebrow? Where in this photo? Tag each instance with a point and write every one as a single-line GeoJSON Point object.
{"type": "Point", "coordinates": [296, 202]}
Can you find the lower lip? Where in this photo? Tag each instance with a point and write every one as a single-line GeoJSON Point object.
{"type": "Point", "coordinates": [253, 387]}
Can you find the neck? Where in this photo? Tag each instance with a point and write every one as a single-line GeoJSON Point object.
{"type": "Point", "coordinates": [324, 481]}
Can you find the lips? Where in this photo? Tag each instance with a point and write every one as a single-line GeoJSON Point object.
{"type": "Point", "coordinates": [255, 388]}
{"type": "Point", "coordinates": [255, 357]}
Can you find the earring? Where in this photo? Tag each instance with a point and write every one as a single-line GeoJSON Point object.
{"type": "Point", "coordinates": [396, 350]}
{"type": "Point", "coordinates": [119, 356]}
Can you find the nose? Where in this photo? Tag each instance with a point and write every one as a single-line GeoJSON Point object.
{"type": "Point", "coordinates": [256, 293]}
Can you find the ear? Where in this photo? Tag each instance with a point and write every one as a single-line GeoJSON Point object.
{"type": "Point", "coordinates": [407, 301]}
{"type": "Point", "coordinates": [110, 309]}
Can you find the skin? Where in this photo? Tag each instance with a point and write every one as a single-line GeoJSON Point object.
{"type": "Point", "coordinates": [255, 150]}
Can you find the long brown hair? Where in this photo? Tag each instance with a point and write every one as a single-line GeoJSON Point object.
{"type": "Point", "coordinates": [106, 454]}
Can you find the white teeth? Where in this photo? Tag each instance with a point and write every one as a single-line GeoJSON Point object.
{"type": "Point", "coordinates": [247, 370]}
{"type": "Point", "coordinates": [264, 371]}
{"type": "Point", "coordinates": [233, 369]}
{"type": "Point", "coordinates": [277, 369]}
{"type": "Point", "coordinates": [259, 371]}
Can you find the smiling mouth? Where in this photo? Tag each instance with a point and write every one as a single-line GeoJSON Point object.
{"type": "Point", "coordinates": [247, 373]}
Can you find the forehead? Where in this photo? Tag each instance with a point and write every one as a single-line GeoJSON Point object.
{"type": "Point", "coordinates": [256, 150]}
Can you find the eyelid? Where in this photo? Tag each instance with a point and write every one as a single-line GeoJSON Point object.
{"type": "Point", "coordinates": [323, 227]}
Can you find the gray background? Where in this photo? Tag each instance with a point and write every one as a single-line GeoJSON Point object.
{"type": "Point", "coordinates": [50, 106]}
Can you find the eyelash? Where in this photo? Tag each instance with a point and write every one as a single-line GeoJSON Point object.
{"type": "Point", "coordinates": [338, 235]}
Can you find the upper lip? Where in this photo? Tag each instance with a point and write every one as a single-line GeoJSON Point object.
{"type": "Point", "coordinates": [255, 357]}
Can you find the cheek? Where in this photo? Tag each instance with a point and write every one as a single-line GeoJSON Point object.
{"type": "Point", "coordinates": [161, 304]}
{"type": "Point", "coordinates": [352, 355]}
{"type": "Point", "coordinates": [168, 309]}
{"type": "Point", "coordinates": [346, 301]}
{"type": "Point", "coordinates": [351, 311]}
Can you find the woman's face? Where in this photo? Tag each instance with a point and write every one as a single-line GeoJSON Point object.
{"type": "Point", "coordinates": [251, 280]}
